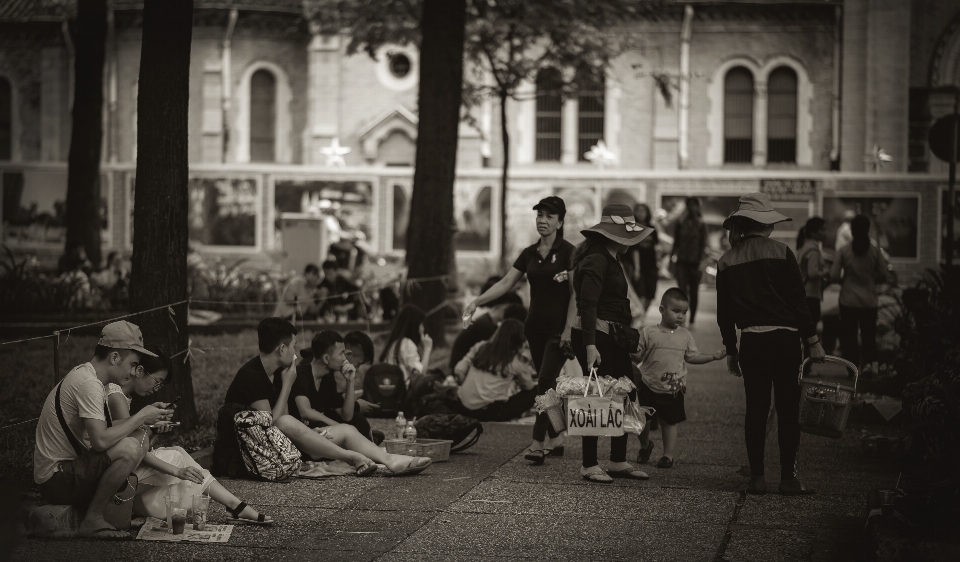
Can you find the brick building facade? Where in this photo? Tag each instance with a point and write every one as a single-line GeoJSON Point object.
{"type": "Point", "coordinates": [777, 94]}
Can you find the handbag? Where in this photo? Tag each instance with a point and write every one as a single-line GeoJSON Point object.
{"type": "Point", "coordinates": [119, 509]}
{"type": "Point", "coordinates": [625, 336]}
{"type": "Point", "coordinates": [594, 415]}
{"type": "Point", "coordinates": [267, 452]}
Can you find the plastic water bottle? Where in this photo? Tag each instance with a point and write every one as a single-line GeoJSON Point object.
{"type": "Point", "coordinates": [410, 433]}
{"type": "Point", "coordinates": [401, 424]}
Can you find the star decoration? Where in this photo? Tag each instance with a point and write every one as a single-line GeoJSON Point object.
{"type": "Point", "coordinates": [877, 157]}
{"type": "Point", "coordinates": [335, 154]}
{"type": "Point", "coordinates": [600, 155]}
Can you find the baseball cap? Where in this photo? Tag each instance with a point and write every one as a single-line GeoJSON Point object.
{"type": "Point", "coordinates": [123, 335]}
{"type": "Point", "coordinates": [552, 204]}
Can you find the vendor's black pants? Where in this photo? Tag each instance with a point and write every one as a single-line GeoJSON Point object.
{"type": "Point", "coordinates": [614, 362]}
{"type": "Point", "coordinates": [548, 359]}
{"type": "Point", "coordinates": [772, 358]}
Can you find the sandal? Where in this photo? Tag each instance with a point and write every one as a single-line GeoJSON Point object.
{"type": "Point", "coordinates": [555, 452]}
{"type": "Point", "coordinates": [415, 466]}
{"type": "Point", "coordinates": [536, 456]}
{"type": "Point", "coordinates": [631, 473]}
{"type": "Point", "coordinates": [237, 520]}
{"type": "Point", "coordinates": [596, 474]}
{"type": "Point", "coordinates": [366, 469]}
{"type": "Point", "coordinates": [644, 455]}
{"type": "Point", "coordinates": [665, 462]}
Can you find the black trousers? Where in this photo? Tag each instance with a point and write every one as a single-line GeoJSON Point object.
{"type": "Point", "coordinates": [688, 280]}
{"type": "Point", "coordinates": [614, 362]}
{"type": "Point", "coordinates": [772, 358]}
{"type": "Point", "coordinates": [863, 320]}
{"type": "Point", "coordinates": [548, 359]}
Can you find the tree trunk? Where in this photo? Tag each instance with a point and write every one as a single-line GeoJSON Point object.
{"type": "Point", "coordinates": [159, 274]}
{"type": "Point", "coordinates": [505, 139]}
{"type": "Point", "coordinates": [430, 233]}
{"type": "Point", "coordinates": [83, 172]}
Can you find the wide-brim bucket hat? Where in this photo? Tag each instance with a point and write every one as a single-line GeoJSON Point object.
{"type": "Point", "coordinates": [618, 224]}
{"type": "Point", "coordinates": [756, 206]}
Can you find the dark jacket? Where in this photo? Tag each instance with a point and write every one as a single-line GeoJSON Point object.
{"type": "Point", "coordinates": [601, 288]}
{"type": "Point", "coordinates": [759, 284]}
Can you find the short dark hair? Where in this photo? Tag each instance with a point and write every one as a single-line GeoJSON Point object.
{"type": "Point", "coordinates": [331, 264]}
{"type": "Point", "coordinates": [515, 311]}
{"type": "Point", "coordinates": [362, 341]}
{"type": "Point", "coordinates": [156, 364]}
{"type": "Point", "coordinates": [674, 293]}
{"type": "Point", "coordinates": [102, 352]}
{"type": "Point", "coordinates": [311, 269]}
{"type": "Point", "coordinates": [271, 332]}
{"type": "Point", "coordinates": [323, 341]}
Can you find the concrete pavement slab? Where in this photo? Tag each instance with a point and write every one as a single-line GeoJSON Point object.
{"type": "Point", "coordinates": [807, 512]}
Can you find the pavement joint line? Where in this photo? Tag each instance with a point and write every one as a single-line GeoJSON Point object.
{"type": "Point", "coordinates": [728, 534]}
{"type": "Point", "coordinates": [760, 527]}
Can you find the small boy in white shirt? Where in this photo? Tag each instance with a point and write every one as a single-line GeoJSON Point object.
{"type": "Point", "coordinates": [665, 350]}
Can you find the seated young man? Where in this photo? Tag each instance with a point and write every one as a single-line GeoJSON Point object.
{"type": "Point", "coordinates": [315, 399]}
{"type": "Point", "coordinates": [359, 352]}
{"type": "Point", "coordinates": [264, 383]}
{"type": "Point", "coordinates": [508, 306]}
{"type": "Point", "coordinates": [78, 460]}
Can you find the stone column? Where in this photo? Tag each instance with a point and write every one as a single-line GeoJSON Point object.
{"type": "Point", "coordinates": [569, 131]}
{"type": "Point", "coordinates": [760, 124]}
{"type": "Point", "coordinates": [51, 62]}
{"type": "Point", "coordinates": [323, 95]}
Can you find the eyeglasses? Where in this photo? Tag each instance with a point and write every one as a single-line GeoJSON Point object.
{"type": "Point", "coordinates": [158, 383]}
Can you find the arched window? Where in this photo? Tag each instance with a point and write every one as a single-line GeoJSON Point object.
{"type": "Point", "coordinates": [6, 120]}
{"type": "Point", "coordinates": [782, 115]}
{"type": "Point", "coordinates": [263, 117]}
{"type": "Point", "coordinates": [549, 110]}
{"type": "Point", "coordinates": [589, 112]}
{"type": "Point", "coordinates": [738, 116]}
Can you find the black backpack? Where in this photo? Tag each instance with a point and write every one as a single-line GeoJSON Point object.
{"type": "Point", "coordinates": [463, 431]}
{"type": "Point", "coordinates": [227, 460]}
{"type": "Point", "coordinates": [383, 384]}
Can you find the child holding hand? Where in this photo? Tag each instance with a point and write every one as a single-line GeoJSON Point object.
{"type": "Point", "coordinates": [664, 351]}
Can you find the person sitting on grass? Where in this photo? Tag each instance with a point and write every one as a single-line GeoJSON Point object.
{"type": "Point", "coordinates": [482, 329]}
{"type": "Point", "coordinates": [78, 460]}
{"type": "Point", "coordinates": [299, 296]}
{"type": "Point", "coordinates": [170, 465]}
{"type": "Point", "coordinates": [489, 371]}
{"type": "Point", "coordinates": [264, 383]}
{"type": "Point", "coordinates": [360, 352]}
{"type": "Point", "coordinates": [665, 350]}
{"type": "Point", "coordinates": [315, 399]}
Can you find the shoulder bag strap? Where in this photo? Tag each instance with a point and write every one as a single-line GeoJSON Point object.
{"type": "Point", "coordinates": [77, 446]}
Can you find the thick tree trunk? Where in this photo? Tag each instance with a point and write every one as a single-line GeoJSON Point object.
{"type": "Point", "coordinates": [83, 173]}
{"type": "Point", "coordinates": [430, 233]}
{"type": "Point", "coordinates": [505, 139]}
{"type": "Point", "coordinates": [159, 274]}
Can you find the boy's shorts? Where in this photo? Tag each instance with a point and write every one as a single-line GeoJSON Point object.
{"type": "Point", "coordinates": [669, 407]}
{"type": "Point", "coordinates": [75, 481]}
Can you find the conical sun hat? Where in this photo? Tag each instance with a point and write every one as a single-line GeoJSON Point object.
{"type": "Point", "coordinates": [756, 206]}
{"type": "Point", "coordinates": [619, 225]}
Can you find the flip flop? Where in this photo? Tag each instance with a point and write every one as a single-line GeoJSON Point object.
{"type": "Point", "coordinates": [598, 475]}
{"type": "Point", "coordinates": [631, 473]}
{"type": "Point", "coordinates": [415, 466]}
{"type": "Point", "coordinates": [366, 469]}
{"type": "Point", "coordinates": [237, 520]}
{"type": "Point", "coordinates": [96, 534]}
{"type": "Point", "coordinates": [555, 452]}
{"type": "Point", "coordinates": [536, 456]}
{"type": "Point", "coordinates": [665, 462]}
{"type": "Point", "coordinates": [643, 456]}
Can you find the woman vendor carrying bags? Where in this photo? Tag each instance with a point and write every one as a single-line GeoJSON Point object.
{"type": "Point", "coordinates": [601, 335]}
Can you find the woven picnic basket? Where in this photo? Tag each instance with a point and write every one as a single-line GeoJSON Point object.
{"type": "Point", "coordinates": [826, 395]}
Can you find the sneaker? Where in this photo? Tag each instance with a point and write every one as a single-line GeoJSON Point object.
{"type": "Point", "coordinates": [643, 456]}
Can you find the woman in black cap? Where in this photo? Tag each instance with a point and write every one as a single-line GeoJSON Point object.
{"type": "Point", "coordinates": [760, 291]}
{"type": "Point", "coordinates": [546, 264]}
{"type": "Point", "coordinates": [602, 336]}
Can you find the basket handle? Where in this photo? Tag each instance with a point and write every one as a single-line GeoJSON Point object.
{"type": "Point", "coordinates": [833, 359]}
{"type": "Point", "coordinates": [593, 375]}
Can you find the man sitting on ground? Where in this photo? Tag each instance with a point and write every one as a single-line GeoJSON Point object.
{"type": "Point", "coordinates": [300, 295]}
{"type": "Point", "coordinates": [485, 325]}
{"type": "Point", "coordinates": [77, 459]}
{"type": "Point", "coordinates": [315, 399]}
{"type": "Point", "coordinates": [359, 352]}
{"type": "Point", "coordinates": [264, 383]}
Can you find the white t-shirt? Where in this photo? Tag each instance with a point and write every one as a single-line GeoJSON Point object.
{"type": "Point", "coordinates": [82, 395]}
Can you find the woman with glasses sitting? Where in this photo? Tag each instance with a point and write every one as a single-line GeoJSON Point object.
{"type": "Point", "coordinates": [491, 372]}
{"type": "Point", "coordinates": [169, 465]}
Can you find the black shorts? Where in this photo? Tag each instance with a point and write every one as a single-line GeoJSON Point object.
{"type": "Point", "coordinates": [669, 407]}
{"type": "Point", "coordinates": [76, 481]}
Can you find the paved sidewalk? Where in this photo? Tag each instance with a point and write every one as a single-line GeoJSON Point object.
{"type": "Point", "coordinates": [488, 503]}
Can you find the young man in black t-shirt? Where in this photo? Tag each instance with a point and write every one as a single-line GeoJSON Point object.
{"type": "Point", "coordinates": [258, 386]}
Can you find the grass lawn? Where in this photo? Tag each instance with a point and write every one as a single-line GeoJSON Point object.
{"type": "Point", "coordinates": [26, 377]}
